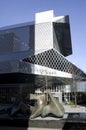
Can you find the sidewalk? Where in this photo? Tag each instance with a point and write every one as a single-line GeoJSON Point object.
{"type": "Point", "coordinates": [74, 109]}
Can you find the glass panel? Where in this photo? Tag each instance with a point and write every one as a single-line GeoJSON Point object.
{"type": "Point", "coordinates": [17, 39]}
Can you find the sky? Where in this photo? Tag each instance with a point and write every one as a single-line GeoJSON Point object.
{"type": "Point", "coordinates": [20, 11]}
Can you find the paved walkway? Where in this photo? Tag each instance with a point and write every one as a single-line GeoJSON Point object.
{"type": "Point", "coordinates": [75, 109]}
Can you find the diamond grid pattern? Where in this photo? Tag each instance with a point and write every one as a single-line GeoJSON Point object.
{"type": "Point", "coordinates": [54, 60]}
{"type": "Point", "coordinates": [43, 38]}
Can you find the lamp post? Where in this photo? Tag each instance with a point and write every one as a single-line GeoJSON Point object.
{"type": "Point", "coordinates": [74, 85]}
{"type": "Point", "coordinates": [46, 85]}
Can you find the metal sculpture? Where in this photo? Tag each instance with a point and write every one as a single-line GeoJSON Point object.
{"type": "Point", "coordinates": [46, 104]}
{"type": "Point", "coordinates": [38, 108]}
{"type": "Point", "coordinates": [44, 107]}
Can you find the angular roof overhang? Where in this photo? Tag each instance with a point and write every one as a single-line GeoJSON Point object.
{"type": "Point", "coordinates": [62, 31]}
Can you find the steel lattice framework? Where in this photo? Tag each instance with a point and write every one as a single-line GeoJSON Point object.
{"type": "Point", "coordinates": [53, 59]}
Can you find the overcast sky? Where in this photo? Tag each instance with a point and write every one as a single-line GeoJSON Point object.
{"type": "Point", "coordinates": [19, 11]}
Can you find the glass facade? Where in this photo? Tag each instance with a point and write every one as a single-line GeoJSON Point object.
{"type": "Point", "coordinates": [17, 39]}
{"type": "Point", "coordinates": [63, 38]}
{"type": "Point", "coordinates": [49, 43]}
{"type": "Point", "coordinates": [9, 93]}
